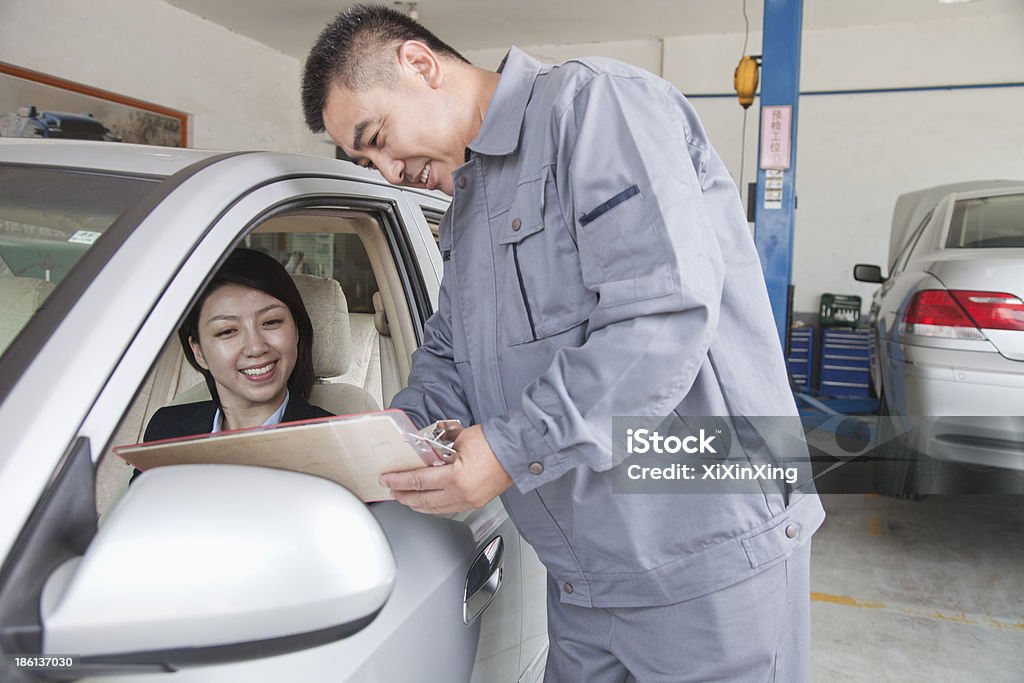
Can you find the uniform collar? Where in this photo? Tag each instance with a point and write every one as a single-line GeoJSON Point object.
{"type": "Point", "coordinates": [499, 132]}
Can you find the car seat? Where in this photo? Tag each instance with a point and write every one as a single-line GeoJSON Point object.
{"type": "Point", "coordinates": [332, 346]}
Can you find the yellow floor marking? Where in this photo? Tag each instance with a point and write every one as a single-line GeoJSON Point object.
{"type": "Point", "coordinates": [1004, 625]}
{"type": "Point", "coordinates": [936, 614]}
{"type": "Point", "coordinates": [845, 600]}
{"type": "Point", "coordinates": [960, 618]}
{"type": "Point", "coordinates": [874, 526]}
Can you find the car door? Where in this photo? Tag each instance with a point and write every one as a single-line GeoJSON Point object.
{"type": "Point", "coordinates": [119, 327]}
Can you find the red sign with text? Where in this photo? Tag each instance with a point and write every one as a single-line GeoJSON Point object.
{"type": "Point", "coordinates": [775, 136]}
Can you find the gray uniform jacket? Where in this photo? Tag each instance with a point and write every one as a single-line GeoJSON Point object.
{"type": "Point", "coordinates": [598, 264]}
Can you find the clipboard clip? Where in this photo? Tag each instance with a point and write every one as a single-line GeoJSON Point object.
{"type": "Point", "coordinates": [440, 436]}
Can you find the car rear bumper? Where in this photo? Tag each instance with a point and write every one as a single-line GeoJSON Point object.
{"type": "Point", "coordinates": [984, 441]}
{"type": "Point", "coordinates": [969, 406]}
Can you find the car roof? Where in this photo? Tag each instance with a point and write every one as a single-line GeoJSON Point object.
{"type": "Point", "coordinates": [108, 156]}
{"type": "Point", "coordinates": [122, 157]}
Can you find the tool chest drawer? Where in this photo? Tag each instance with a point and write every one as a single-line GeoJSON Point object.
{"type": "Point", "coordinates": [801, 355]}
{"type": "Point", "coordinates": [844, 363]}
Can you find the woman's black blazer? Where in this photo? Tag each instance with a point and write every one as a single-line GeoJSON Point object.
{"type": "Point", "coordinates": [190, 419]}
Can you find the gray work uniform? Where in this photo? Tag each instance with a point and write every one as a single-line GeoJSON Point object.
{"type": "Point", "coordinates": [598, 264]}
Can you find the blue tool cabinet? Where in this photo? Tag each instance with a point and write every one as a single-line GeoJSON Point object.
{"type": "Point", "coordinates": [801, 356]}
{"type": "Point", "coordinates": [844, 362]}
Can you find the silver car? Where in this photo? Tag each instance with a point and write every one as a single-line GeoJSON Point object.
{"type": "Point", "coordinates": [222, 572]}
{"type": "Point", "coordinates": [948, 363]}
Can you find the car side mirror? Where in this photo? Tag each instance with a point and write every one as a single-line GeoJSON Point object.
{"type": "Point", "coordinates": [200, 564]}
{"type": "Point", "coordinates": [865, 273]}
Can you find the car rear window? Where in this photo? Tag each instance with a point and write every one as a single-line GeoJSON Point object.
{"type": "Point", "coordinates": [49, 218]}
{"type": "Point", "coordinates": [987, 222]}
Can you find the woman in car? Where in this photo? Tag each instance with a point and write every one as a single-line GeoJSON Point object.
{"type": "Point", "coordinates": [251, 338]}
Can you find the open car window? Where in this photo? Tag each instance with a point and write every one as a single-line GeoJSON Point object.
{"type": "Point", "coordinates": [348, 246]}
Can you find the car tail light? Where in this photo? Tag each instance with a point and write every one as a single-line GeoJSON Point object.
{"type": "Point", "coordinates": [961, 314]}
{"type": "Point", "coordinates": [992, 310]}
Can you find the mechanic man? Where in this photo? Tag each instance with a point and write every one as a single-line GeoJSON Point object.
{"type": "Point", "coordinates": [597, 263]}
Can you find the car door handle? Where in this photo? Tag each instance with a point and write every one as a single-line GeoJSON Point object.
{"type": "Point", "coordinates": [483, 580]}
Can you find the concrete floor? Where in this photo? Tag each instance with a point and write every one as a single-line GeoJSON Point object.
{"type": "Point", "coordinates": [925, 591]}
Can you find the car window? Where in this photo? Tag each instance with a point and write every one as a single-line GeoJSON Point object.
{"type": "Point", "coordinates": [347, 245]}
{"type": "Point", "coordinates": [351, 247]}
{"type": "Point", "coordinates": [908, 249]}
{"type": "Point", "coordinates": [49, 218]}
{"type": "Point", "coordinates": [987, 222]}
{"type": "Point", "coordinates": [434, 221]}
{"type": "Point", "coordinates": [339, 256]}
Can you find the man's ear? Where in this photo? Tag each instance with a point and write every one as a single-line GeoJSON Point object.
{"type": "Point", "coordinates": [421, 61]}
{"type": "Point", "coordinates": [197, 351]}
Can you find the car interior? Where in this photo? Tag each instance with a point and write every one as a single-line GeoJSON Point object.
{"type": "Point", "coordinates": [40, 240]}
{"type": "Point", "coordinates": [987, 222]}
{"type": "Point", "coordinates": [364, 334]}
{"type": "Point", "coordinates": [21, 297]}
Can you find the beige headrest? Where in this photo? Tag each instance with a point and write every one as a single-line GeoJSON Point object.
{"type": "Point", "coordinates": [328, 309]}
{"type": "Point", "coordinates": [21, 297]}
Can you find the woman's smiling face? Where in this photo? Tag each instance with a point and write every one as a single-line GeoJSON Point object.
{"type": "Point", "coordinates": [249, 342]}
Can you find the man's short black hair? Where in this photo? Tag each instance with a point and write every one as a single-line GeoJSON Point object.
{"type": "Point", "coordinates": [356, 51]}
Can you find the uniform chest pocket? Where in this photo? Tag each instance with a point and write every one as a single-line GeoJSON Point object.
{"type": "Point", "coordinates": [542, 291]}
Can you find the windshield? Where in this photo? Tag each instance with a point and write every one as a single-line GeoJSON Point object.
{"type": "Point", "coordinates": [49, 218]}
{"type": "Point", "coordinates": [987, 222]}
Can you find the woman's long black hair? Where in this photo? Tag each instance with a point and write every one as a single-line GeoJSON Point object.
{"type": "Point", "coordinates": [257, 270]}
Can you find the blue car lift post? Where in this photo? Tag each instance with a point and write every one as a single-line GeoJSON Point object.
{"type": "Point", "coordinates": [776, 197]}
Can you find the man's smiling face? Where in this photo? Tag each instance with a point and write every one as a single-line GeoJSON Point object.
{"type": "Point", "coordinates": [407, 130]}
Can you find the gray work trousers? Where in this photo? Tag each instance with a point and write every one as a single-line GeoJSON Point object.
{"type": "Point", "coordinates": [755, 631]}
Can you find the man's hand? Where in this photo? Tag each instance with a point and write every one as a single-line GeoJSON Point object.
{"type": "Point", "coordinates": [472, 481]}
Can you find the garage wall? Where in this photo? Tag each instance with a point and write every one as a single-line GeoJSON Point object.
{"type": "Point", "coordinates": [240, 93]}
{"type": "Point", "coordinates": [856, 152]}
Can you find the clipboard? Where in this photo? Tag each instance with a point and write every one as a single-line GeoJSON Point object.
{"type": "Point", "coordinates": [352, 450]}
